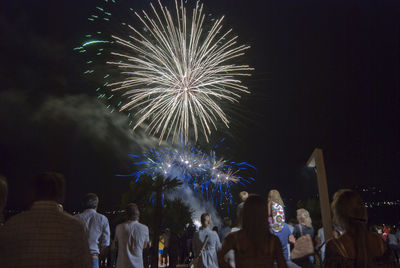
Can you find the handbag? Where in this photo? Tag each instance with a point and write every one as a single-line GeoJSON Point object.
{"type": "Point", "coordinates": [303, 246]}
{"type": "Point", "coordinates": [195, 263]}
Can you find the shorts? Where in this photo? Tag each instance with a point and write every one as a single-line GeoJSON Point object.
{"type": "Point", "coordinates": [160, 251]}
{"type": "Point", "coordinates": [165, 252]}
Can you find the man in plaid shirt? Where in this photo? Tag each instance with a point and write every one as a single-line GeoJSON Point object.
{"type": "Point", "coordinates": [44, 236]}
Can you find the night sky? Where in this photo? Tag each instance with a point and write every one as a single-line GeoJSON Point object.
{"type": "Point", "coordinates": [326, 75]}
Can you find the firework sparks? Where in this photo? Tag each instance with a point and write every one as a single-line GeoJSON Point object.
{"type": "Point", "coordinates": [205, 173]}
{"type": "Point", "coordinates": [177, 74]}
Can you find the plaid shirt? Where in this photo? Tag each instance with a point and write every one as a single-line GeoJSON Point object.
{"type": "Point", "coordinates": [43, 237]}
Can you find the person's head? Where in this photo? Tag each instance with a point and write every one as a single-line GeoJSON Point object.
{"type": "Point", "coordinates": [227, 221]}
{"type": "Point", "coordinates": [350, 213]}
{"type": "Point", "coordinates": [49, 186]}
{"type": "Point", "coordinates": [348, 208]}
{"type": "Point", "coordinates": [3, 192]}
{"type": "Point", "coordinates": [215, 229]}
{"type": "Point", "coordinates": [243, 195]}
{"type": "Point", "coordinates": [303, 217]}
{"type": "Point", "coordinates": [205, 220]}
{"type": "Point", "coordinates": [275, 196]}
{"type": "Point", "coordinates": [255, 225]}
{"type": "Point", "coordinates": [90, 200]}
{"type": "Point", "coordinates": [132, 212]}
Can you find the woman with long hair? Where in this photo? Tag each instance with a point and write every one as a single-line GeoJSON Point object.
{"type": "Point", "coordinates": [206, 243]}
{"type": "Point", "coordinates": [275, 211]}
{"type": "Point", "coordinates": [357, 247]}
{"type": "Point", "coordinates": [254, 245]}
{"type": "Point", "coordinates": [304, 227]}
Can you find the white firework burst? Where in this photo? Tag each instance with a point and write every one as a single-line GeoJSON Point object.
{"type": "Point", "coordinates": [177, 73]}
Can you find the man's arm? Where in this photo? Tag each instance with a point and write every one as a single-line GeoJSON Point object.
{"type": "Point", "coordinates": [147, 238]}
{"type": "Point", "coordinates": [105, 234]}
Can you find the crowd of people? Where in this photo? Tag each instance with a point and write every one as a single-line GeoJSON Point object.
{"type": "Point", "coordinates": [47, 236]}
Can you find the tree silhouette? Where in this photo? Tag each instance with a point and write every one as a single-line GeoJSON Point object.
{"type": "Point", "coordinates": [148, 194]}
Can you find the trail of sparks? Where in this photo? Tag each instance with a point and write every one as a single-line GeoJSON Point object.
{"type": "Point", "coordinates": [204, 173]}
{"type": "Point", "coordinates": [176, 73]}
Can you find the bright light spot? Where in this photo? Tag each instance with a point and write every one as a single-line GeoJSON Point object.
{"type": "Point", "coordinates": [197, 223]}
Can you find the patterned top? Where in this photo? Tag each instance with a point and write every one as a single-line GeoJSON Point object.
{"type": "Point", "coordinates": [96, 228]}
{"type": "Point", "coordinates": [43, 237]}
{"type": "Point", "coordinates": [277, 220]}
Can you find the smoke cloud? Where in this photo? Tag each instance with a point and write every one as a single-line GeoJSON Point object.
{"type": "Point", "coordinates": [197, 204]}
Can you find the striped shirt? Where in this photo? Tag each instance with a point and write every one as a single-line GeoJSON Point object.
{"type": "Point", "coordinates": [43, 237]}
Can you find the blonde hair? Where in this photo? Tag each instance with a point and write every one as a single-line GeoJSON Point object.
{"type": "Point", "coordinates": [304, 217]}
{"type": "Point", "coordinates": [275, 196]}
{"type": "Point", "coordinates": [243, 195]}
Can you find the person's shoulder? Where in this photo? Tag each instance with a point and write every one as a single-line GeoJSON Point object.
{"type": "Point", "coordinates": [16, 221]}
{"type": "Point", "coordinates": [70, 220]}
{"type": "Point", "coordinates": [101, 216]}
{"type": "Point", "coordinates": [18, 217]}
{"type": "Point", "coordinates": [120, 225]}
{"type": "Point", "coordinates": [142, 226]}
{"type": "Point", "coordinates": [214, 234]}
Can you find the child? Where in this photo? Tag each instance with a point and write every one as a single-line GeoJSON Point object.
{"type": "Point", "coordinates": [275, 210]}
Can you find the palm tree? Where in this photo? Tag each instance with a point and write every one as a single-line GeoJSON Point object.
{"type": "Point", "coordinates": [159, 186]}
{"type": "Point", "coordinates": [153, 189]}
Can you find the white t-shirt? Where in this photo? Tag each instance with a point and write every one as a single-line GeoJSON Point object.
{"type": "Point", "coordinates": [131, 237]}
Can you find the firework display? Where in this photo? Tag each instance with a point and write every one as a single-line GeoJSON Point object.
{"type": "Point", "coordinates": [175, 73]}
{"type": "Point", "coordinates": [205, 173]}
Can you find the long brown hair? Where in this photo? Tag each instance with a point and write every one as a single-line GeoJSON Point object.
{"type": "Point", "coordinates": [255, 225]}
{"type": "Point", "coordinates": [350, 213]}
